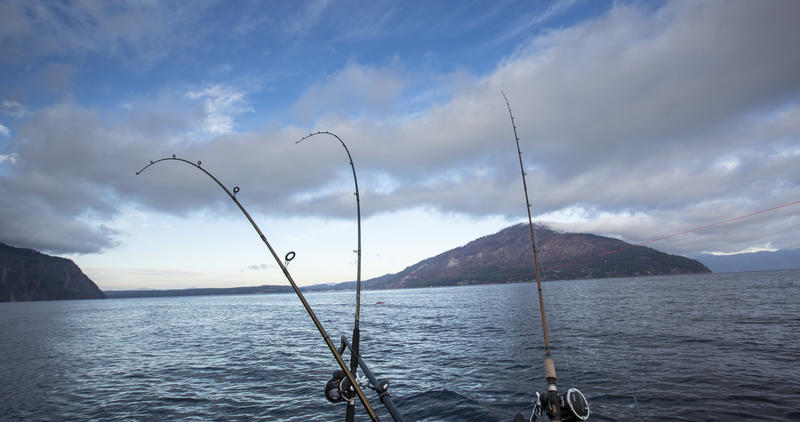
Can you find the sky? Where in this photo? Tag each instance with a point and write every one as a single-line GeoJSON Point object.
{"type": "Point", "coordinates": [636, 120]}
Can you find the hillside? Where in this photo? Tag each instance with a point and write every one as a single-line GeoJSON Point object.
{"type": "Point", "coordinates": [506, 256]}
{"type": "Point", "coordinates": [252, 290]}
{"type": "Point", "coordinates": [28, 275]}
{"type": "Point", "coordinates": [787, 259]}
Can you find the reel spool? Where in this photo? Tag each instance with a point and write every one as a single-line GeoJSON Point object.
{"type": "Point", "coordinates": [339, 389]}
{"type": "Point", "coordinates": [571, 406]}
{"type": "Point", "coordinates": [574, 406]}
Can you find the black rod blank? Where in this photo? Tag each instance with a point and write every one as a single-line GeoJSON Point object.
{"type": "Point", "coordinates": [288, 276]}
{"type": "Point", "coordinates": [350, 415]}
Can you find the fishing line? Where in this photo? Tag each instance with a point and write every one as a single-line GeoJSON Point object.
{"type": "Point", "coordinates": [635, 401]}
{"type": "Point", "coordinates": [288, 276]}
{"type": "Point", "coordinates": [692, 230]}
{"type": "Point", "coordinates": [707, 226]}
{"type": "Point", "coordinates": [573, 403]}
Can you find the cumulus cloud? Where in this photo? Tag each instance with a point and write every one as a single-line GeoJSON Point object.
{"type": "Point", "coordinates": [221, 104]}
{"type": "Point", "coordinates": [65, 167]}
{"type": "Point", "coordinates": [648, 121]}
{"type": "Point", "coordinates": [5, 132]}
{"type": "Point", "coordinates": [632, 110]}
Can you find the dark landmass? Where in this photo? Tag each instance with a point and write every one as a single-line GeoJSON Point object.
{"type": "Point", "coordinates": [28, 275]}
{"type": "Point", "coordinates": [345, 285]}
{"type": "Point", "coordinates": [124, 294]}
{"type": "Point", "coordinates": [506, 257]}
{"type": "Point", "coordinates": [786, 259]}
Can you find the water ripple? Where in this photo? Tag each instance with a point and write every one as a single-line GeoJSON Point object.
{"type": "Point", "coordinates": [713, 347]}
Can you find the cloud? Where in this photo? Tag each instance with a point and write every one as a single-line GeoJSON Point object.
{"type": "Point", "coordinates": [309, 16]}
{"type": "Point", "coordinates": [527, 21]}
{"type": "Point", "coordinates": [767, 247]}
{"type": "Point", "coordinates": [259, 267]}
{"type": "Point", "coordinates": [30, 30]}
{"type": "Point", "coordinates": [650, 121]}
{"type": "Point", "coordinates": [67, 177]}
{"type": "Point", "coordinates": [3, 131]}
{"type": "Point", "coordinates": [627, 111]}
{"type": "Point", "coordinates": [221, 104]}
{"type": "Point", "coordinates": [355, 89]}
{"type": "Point", "coordinates": [14, 109]}
{"type": "Point", "coordinates": [634, 80]}
{"type": "Point", "coordinates": [725, 226]}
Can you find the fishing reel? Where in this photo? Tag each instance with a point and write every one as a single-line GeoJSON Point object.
{"type": "Point", "coordinates": [567, 407]}
{"type": "Point", "coordinates": [339, 389]}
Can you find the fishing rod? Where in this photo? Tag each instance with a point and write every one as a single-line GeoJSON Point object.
{"type": "Point", "coordinates": [572, 405]}
{"type": "Point", "coordinates": [348, 381]}
{"type": "Point", "coordinates": [350, 412]}
{"type": "Point", "coordinates": [355, 359]}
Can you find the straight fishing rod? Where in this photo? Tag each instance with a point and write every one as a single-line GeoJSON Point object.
{"type": "Point", "coordinates": [354, 351]}
{"type": "Point", "coordinates": [353, 384]}
{"type": "Point", "coordinates": [571, 405]}
{"type": "Point", "coordinates": [533, 236]}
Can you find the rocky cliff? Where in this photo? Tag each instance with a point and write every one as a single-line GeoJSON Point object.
{"type": "Point", "coordinates": [507, 256]}
{"type": "Point", "coordinates": [27, 275]}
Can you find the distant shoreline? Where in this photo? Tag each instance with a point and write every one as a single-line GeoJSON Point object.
{"type": "Point", "coordinates": [251, 290]}
{"type": "Point", "coordinates": [338, 287]}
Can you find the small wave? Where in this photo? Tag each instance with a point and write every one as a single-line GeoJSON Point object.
{"type": "Point", "coordinates": [172, 399]}
{"type": "Point", "coordinates": [447, 405]}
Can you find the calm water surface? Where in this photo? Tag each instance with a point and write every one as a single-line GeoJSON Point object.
{"type": "Point", "coordinates": [715, 347]}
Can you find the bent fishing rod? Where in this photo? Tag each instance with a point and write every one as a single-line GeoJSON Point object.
{"type": "Point", "coordinates": [572, 405]}
{"type": "Point", "coordinates": [355, 359]}
{"type": "Point", "coordinates": [348, 381]}
{"type": "Point", "coordinates": [350, 412]}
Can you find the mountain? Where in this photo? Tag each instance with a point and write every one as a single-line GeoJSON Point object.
{"type": "Point", "coordinates": [506, 256]}
{"type": "Point", "coordinates": [27, 275]}
{"type": "Point", "coordinates": [786, 259]}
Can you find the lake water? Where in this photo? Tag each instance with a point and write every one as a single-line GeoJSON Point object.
{"type": "Point", "coordinates": [714, 347]}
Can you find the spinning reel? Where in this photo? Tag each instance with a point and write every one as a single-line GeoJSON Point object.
{"type": "Point", "coordinates": [339, 389]}
{"type": "Point", "coordinates": [567, 407]}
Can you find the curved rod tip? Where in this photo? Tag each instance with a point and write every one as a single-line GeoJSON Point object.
{"type": "Point", "coordinates": [174, 157]}
{"type": "Point", "coordinates": [320, 132]}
